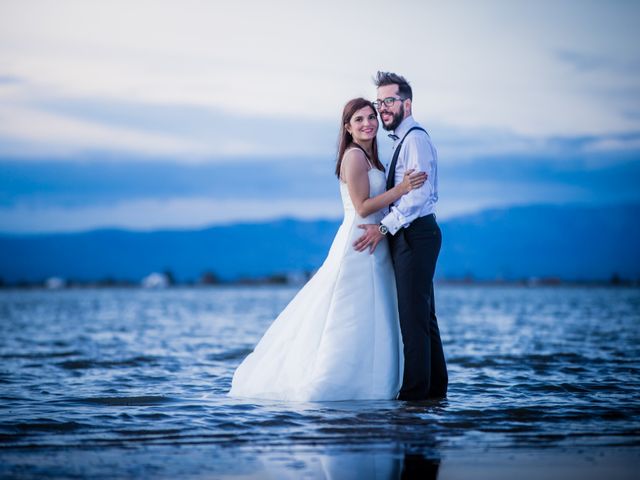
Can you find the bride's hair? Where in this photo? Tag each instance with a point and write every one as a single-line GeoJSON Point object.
{"type": "Point", "coordinates": [345, 139]}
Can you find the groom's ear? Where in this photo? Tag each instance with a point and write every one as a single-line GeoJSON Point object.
{"type": "Point", "coordinates": [407, 105]}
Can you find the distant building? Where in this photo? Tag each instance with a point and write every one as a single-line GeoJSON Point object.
{"type": "Point", "coordinates": [156, 280]}
{"type": "Point", "coordinates": [298, 278]}
{"type": "Point", "coordinates": [55, 283]}
{"type": "Point", "coordinates": [209, 278]}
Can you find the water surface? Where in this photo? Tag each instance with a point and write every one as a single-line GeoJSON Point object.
{"type": "Point", "coordinates": [121, 383]}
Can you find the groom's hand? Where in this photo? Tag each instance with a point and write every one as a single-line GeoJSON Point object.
{"type": "Point", "coordinates": [371, 238]}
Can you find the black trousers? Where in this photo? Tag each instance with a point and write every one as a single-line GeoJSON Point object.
{"type": "Point", "coordinates": [414, 251]}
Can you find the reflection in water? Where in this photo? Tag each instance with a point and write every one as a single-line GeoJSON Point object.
{"type": "Point", "coordinates": [418, 466]}
{"type": "Point", "coordinates": [356, 465]}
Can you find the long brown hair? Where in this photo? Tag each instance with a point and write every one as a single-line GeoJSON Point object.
{"type": "Point", "coordinates": [345, 139]}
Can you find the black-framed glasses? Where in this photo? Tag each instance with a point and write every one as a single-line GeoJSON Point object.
{"type": "Point", "coordinates": [387, 102]}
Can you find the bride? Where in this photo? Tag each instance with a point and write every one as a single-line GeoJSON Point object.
{"type": "Point", "coordinates": [339, 338]}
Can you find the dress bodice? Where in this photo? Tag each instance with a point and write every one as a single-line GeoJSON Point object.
{"type": "Point", "coordinates": [377, 185]}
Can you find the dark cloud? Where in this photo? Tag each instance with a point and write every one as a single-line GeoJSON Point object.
{"type": "Point", "coordinates": [574, 174]}
{"type": "Point", "coordinates": [10, 79]}
{"type": "Point", "coordinates": [213, 128]}
{"type": "Point", "coordinates": [587, 62]}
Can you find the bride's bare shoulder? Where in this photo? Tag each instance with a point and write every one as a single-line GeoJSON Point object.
{"type": "Point", "coordinates": [354, 158]}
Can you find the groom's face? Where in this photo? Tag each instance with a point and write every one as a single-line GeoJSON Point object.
{"type": "Point", "coordinates": [391, 115]}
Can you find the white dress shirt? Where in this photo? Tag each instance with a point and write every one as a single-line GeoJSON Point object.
{"type": "Point", "coordinates": [418, 153]}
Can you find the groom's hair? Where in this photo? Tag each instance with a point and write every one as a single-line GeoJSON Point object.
{"type": "Point", "coordinates": [388, 78]}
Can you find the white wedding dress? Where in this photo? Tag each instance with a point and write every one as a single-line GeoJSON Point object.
{"type": "Point", "coordinates": [339, 338]}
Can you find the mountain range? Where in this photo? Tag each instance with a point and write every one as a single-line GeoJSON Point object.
{"type": "Point", "coordinates": [570, 242]}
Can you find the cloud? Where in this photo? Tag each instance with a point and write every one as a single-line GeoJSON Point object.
{"type": "Point", "coordinates": [154, 101]}
{"type": "Point", "coordinates": [61, 127]}
{"type": "Point", "coordinates": [92, 128]}
{"type": "Point", "coordinates": [10, 80]}
{"type": "Point", "coordinates": [628, 142]}
{"type": "Point", "coordinates": [108, 181]}
{"type": "Point", "coordinates": [42, 132]}
{"type": "Point", "coordinates": [68, 195]}
{"type": "Point", "coordinates": [583, 61]}
{"type": "Point", "coordinates": [286, 59]}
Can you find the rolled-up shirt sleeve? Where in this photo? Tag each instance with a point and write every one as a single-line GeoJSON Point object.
{"type": "Point", "coordinates": [418, 154]}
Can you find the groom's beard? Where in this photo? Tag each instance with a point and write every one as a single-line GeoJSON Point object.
{"type": "Point", "coordinates": [397, 120]}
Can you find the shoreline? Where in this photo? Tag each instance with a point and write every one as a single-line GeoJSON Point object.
{"type": "Point", "coordinates": [627, 284]}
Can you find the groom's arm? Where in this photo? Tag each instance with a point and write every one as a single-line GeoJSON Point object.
{"type": "Point", "coordinates": [419, 154]}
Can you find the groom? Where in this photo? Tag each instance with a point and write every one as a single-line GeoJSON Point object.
{"type": "Point", "coordinates": [414, 238]}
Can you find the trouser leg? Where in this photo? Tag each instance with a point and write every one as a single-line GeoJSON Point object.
{"type": "Point", "coordinates": [414, 332]}
{"type": "Point", "coordinates": [439, 375]}
{"type": "Point", "coordinates": [415, 252]}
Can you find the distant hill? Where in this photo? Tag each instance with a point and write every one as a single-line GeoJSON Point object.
{"type": "Point", "coordinates": [569, 242]}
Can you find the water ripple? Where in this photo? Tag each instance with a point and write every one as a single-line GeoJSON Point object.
{"type": "Point", "coordinates": [120, 368]}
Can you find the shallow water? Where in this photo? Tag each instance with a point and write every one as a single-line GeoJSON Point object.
{"type": "Point", "coordinates": [121, 383]}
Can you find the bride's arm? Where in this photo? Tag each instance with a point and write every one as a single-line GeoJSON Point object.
{"type": "Point", "coordinates": [354, 171]}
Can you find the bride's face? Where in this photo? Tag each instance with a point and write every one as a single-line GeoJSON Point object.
{"type": "Point", "coordinates": [363, 125]}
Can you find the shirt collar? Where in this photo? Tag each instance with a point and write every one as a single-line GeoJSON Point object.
{"type": "Point", "coordinates": [404, 127]}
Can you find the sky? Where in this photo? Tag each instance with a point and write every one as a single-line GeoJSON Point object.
{"type": "Point", "coordinates": [167, 114]}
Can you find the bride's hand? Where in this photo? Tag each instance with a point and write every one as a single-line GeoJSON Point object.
{"type": "Point", "coordinates": [411, 180]}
